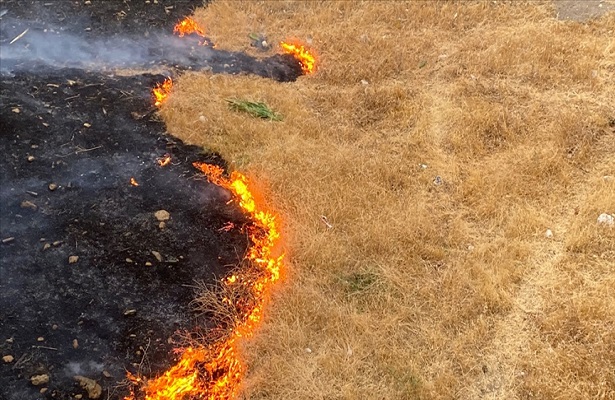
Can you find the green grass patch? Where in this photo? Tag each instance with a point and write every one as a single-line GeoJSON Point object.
{"type": "Point", "coordinates": [255, 109]}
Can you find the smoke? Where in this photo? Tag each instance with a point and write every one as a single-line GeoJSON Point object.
{"type": "Point", "coordinates": [27, 46]}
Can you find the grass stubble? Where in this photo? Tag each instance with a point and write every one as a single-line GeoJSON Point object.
{"type": "Point", "coordinates": [441, 140]}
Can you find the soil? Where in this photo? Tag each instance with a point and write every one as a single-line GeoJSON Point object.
{"type": "Point", "coordinates": [94, 279]}
{"type": "Point", "coordinates": [582, 11]}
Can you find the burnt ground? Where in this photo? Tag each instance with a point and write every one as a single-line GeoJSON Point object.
{"type": "Point", "coordinates": [92, 283]}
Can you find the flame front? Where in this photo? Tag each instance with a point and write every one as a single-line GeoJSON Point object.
{"type": "Point", "coordinates": [303, 55]}
{"type": "Point", "coordinates": [188, 26]}
{"type": "Point", "coordinates": [162, 91]}
{"type": "Point", "coordinates": [164, 160]}
{"type": "Point", "coordinates": [215, 372]}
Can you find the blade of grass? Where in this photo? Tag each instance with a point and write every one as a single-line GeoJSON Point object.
{"type": "Point", "coordinates": [256, 109]}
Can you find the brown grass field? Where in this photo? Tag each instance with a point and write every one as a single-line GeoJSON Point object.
{"type": "Point", "coordinates": [426, 287]}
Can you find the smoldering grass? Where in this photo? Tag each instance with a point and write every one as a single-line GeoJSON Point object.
{"type": "Point", "coordinates": [254, 108]}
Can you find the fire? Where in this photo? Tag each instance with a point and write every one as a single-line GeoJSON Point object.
{"type": "Point", "coordinates": [303, 55]}
{"type": "Point", "coordinates": [187, 27]}
{"type": "Point", "coordinates": [164, 160]}
{"type": "Point", "coordinates": [215, 372]}
{"type": "Point", "coordinates": [162, 91]}
{"type": "Point", "coordinates": [134, 182]}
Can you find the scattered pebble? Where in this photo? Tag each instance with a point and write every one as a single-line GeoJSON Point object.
{"type": "Point", "coordinates": [40, 339]}
{"type": "Point", "coordinates": [78, 396]}
{"type": "Point", "coordinates": [162, 225]}
{"type": "Point", "coordinates": [157, 255]}
{"type": "Point", "coordinates": [75, 343]}
{"type": "Point", "coordinates": [52, 186]}
{"type": "Point", "coordinates": [93, 388]}
{"type": "Point", "coordinates": [54, 327]}
{"type": "Point", "coordinates": [308, 350]}
{"type": "Point", "coordinates": [162, 215]}
{"type": "Point", "coordinates": [129, 260]}
{"type": "Point", "coordinates": [10, 340]}
{"type": "Point", "coordinates": [38, 380]}
{"type": "Point", "coordinates": [148, 264]}
{"type": "Point", "coordinates": [73, 259]}
{"type": "Point", "coordinates": [16, 110]}
{"type": "Point", "coordinates": [606, 219]}
{"type": "Point", "coordinates": [549, 234]}
{"type": "Point", "coordinates": [87, 125]}
{"type": "Point", "coordinates": [57, 243]}
{"type": "Point", "coordinates": [132, 311]}
{"type": "Point", "coordinates": [31, 158]}
{"type": "Point", "coordinates": [8, 359]}
{"type": "Point", "coordinates": [43, 390]}
{"type": "Point", "coordinates": [106, 374]}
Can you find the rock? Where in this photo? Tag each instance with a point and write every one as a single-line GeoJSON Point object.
{"type": "Point", "coordinates": [606, 219]}
{"type": "Point", "coordinates": [38, 380]}
{"type": "Point", "coordinates": [78, 396]}
{"type": "Point", "coordinates": [10, 340]}
{"type": "Point", "coordinates": [8, 358]}
{"type": "Point", "coordinates": [549, 234]}
{"type": "Point", "coordinates": [30, 158]}
{"type": "Point", "coordinates": [162, 225]}
{"type": "Point", "coordinates": [75, 343]}
{"type": "Point", "coordinates": [132, 311]}
{"type": "Point", "coordinates": [162, 215]}
{"type": "Point", "coordinates": [40, 339]}
{"type": "Point", "coordinates": [157, 255]}
{"type": "Point", "coordinates": [148, 264]}
{"type": "Point", "coordinates": [106, 374]}
{"type": "Point", "coordinates": [46, 246]}
{"type": "Point", "coordinates": [93, 388]}
{"type": "Point", "coordinates": [52, 186]}
{"type": "Point", "coordinates": [73, 259]}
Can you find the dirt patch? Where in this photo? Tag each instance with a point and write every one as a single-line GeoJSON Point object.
{"type": "Point", "coordinates": [582, 11]}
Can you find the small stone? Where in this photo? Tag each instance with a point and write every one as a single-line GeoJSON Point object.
{"type": "Point", "coordinates": [106, 374]}
{"type": "Point", "coordinates": [148, 264]}
{"type": "Point", "coordinates": [46, 246]}
{"type": "Point", "coordinates": [10, 340]}
{"type": "Point", "coordinates": [162, 225]}
{"type": "Point", "coordinates": [57, 243]}
{"type": "Point", "coordinates": [162, 215]}
{"type": "Point", "coordinates": [94, 389]}
{"type": "Point", "coordinates": [40, 339]}
{"type": "Point", "coordinates": [78, 396]}
{"type": "Point", "coordinates": [606, 219]}
{"type": "Point", "coordinates": [549, 234]}
{"type": "Point", "coordinates": [308, 350]}
{"type": "Point", "coordinates": [31, 158]}
{"type": "Point", "coordinates": [8, 239]}
{"type": "Point", "coordinates": [87, 125]}
{"type": "Point", "coordinates": [73, 259]}
{"type": "Point", "coordinates": [129, 261]}
{"type": "Point", "coordinates": [29, 204]}
{"type": "Point", "coordinates": [8, 359]}
{"type": "Point", "coordinates": [157, 255]}
{"type": "Point", "coordinates": [43, 390]}
{"type": "Point", "coordinates": [364, 82]}
{"type": "Point", "coordinates": [75, 343]}
{"type": "Point", "coordinates": [52, 186]}
{"type": "Point", "coordinates": [609, 178]}
{"type": "Point", "coordinates": [470, 248]}
{"type": "Point", "coordinates": [130, 312]}
{"type": "Point", "coordinates": [54, 327]}
{"type": "Point", "coordinates": [202, 118]}
{"type": "Point", "coordinates": [16, 110]}
{"type": "Point", "coordinates": [38, 380]}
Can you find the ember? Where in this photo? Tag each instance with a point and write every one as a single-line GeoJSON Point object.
{"type": "Point", "coordinates": [164, 160]}
{"type": "Point", "coordinates": [162, 91]}
{"type": "Point", "coordinates": [134, 182]}
{"type": "Point", "coordinates": [215, 372]}
{"type": "Point", "coordinates": [305, 58]}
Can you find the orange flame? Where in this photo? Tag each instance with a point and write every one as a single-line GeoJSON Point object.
{"type": "Point", "coordinates": [187, 27]}
{"type": "Point", "coordinates": [162, 91]}
{"type": "Point", "coordinates": [215, 372]}
{"type": "Point", "coordinates": [303, 55]}
{"type": "Point", "coordinates": [164, 160]}
{"type": "Point", "coordinates": [134, 182]}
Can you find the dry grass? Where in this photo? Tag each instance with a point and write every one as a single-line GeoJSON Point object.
{"type": "Point", "coordinates": [426, 290]}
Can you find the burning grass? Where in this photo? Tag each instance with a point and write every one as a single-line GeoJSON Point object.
{"type": "Point", "coordinates": [440, 140]}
